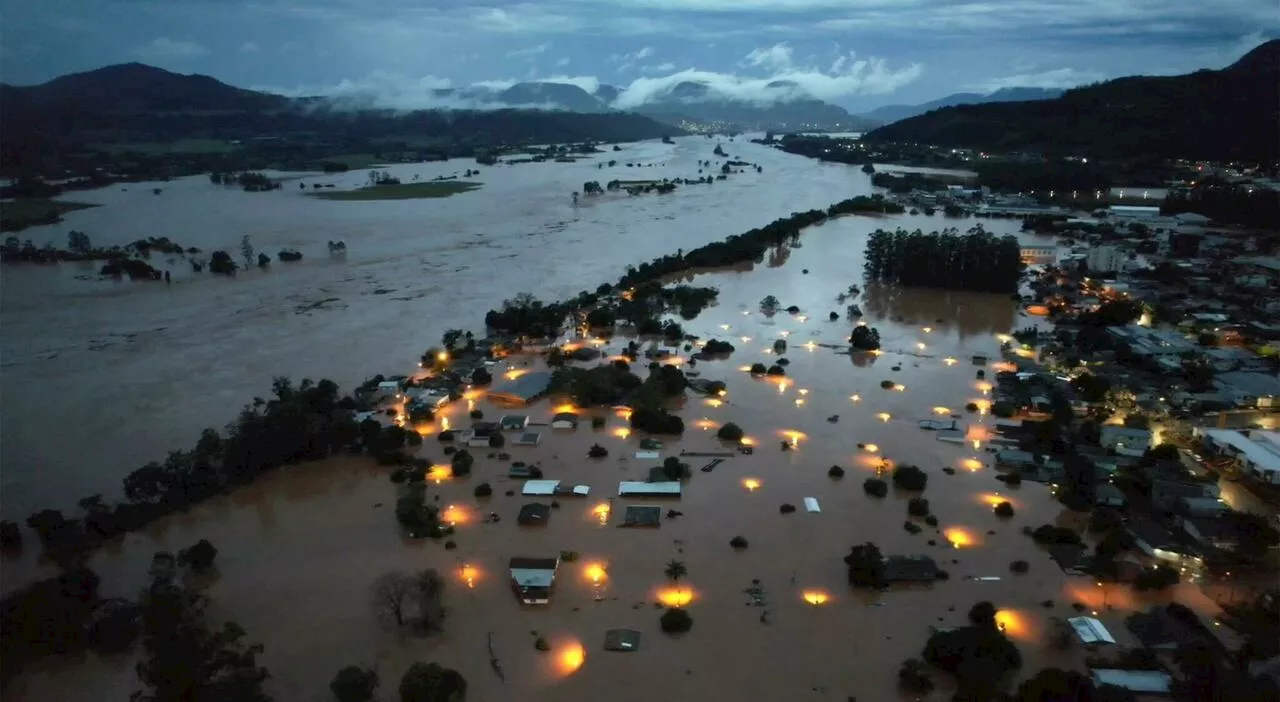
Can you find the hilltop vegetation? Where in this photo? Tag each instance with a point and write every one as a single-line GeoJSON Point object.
{"type": "Point", "coordinates": [1229, 114]}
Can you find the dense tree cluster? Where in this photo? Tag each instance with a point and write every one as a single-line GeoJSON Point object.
{"type": "Point", "coordinates": [304, 422]}
{"type": "Point", "coordinates": [865, 566]}
{"type": "Point", "coordinates": [1227, 203]}
{"type": "Point", "coordinates": [975, 261]}
{"type": "Point", "coordinates": [978, 655]}
{"type": "Point", "coordinates": [47, 617]}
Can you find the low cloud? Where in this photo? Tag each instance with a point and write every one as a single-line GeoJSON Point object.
{"type": "Point", "coordinates": [529, 52]}
{"type": "Point", "coordinates": [626, 62]}
{"type": "Point", "coordinates": [164, 48]}
{"type": "Point", "coordinates": [385, 91]}
{"type": "Point", "coordinates": [1057, 78]}
{"type": "Point", "coordinates": [848, 75]}
{"type": "Point", "coordinates": [249, 47]}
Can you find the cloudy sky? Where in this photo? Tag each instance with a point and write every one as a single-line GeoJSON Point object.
{"type": "Point", "coordinates": [856, 53]}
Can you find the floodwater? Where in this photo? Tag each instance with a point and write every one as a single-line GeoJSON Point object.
{"type": "Point", "coordinates": [108, 375]}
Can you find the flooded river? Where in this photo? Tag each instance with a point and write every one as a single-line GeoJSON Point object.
{"type": "Point", "coordinates": [101, 377]}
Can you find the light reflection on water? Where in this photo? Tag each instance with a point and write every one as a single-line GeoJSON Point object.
{"type": "Point", "coordinates": [291, 525]}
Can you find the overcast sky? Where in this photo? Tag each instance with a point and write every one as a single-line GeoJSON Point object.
{"type": "Point", "coordinates": [856, 53]}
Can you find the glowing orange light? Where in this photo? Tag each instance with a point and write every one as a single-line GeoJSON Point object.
{"type": "Point", "coordinates": [722, 393]}
{"type": "Point", "coordinates": [558, 409]}
{"type": "Point", "coordinates": [468, 573]}
{"type": "Point", "coordinates": [440, 472]}
{"type": "Point", "coordinates": [793, 436]}
{"type": "Point", "coordinates": [810, 345]}
{"type": "Point", "coordinates": [816, 597]}
{"type": "Point", "coordinates": [471, 405]}
{"type": "Point", "coordinates": [941, 410]}
{"type": "Point", "coordinates": [571, 658]}
{"type": "Point", "coordinates": [724, 327]}
{"type": "Point", "coordinates": [799, 401]}
{"type": "Point", "coordinates": [602, 512]}
{"type": "Point", "coordinates": [782, 386]}
{"type": "Point", "coordinates": [442, 356]}
{"type": "Point", "coordinates": [803, 391]}
{"type": "Point", "coordinates": [744, 369]}
{"type": "Point", "coordinates": [871, 448]}
{"type": "Point", "coordinates": [747, 441]}
{"type": "Point", "coordinates": [595, 572]}
{"type": "Point", "coordinates": [622, 432]}
{"type": "Point", "coordinates": [949, 361]}
{"type": "Point", "coordinates": [1012, 623]}
{"type": "Point", "coordinates": [713, 402]}
{"type": "Point", "coordinates": [751, 484]}
{"type": "Point", "coordinates": [802, 318]}
{"type": "Point", "coordinates": [991, 498]}
{"type": "Point", "coordinates": [984, 387]}
{"type": "Point", "coordinates": [675, 597]}
{"type": "Point", "coordinates": [959, 538]}
{"type": "Point", "coordinates": [623, 414]}
{"type": "Point", "coordinates": [884, 416]}
{"type": "Point", "coordinates": [920, 345]}
{"type": "Point", "coordinates": [899, 387]}
{"type": "Point", "coordinates": [745, 339]}
{"type": "Point", "coordinates": [706, 424]}
{"type": "Point", "coordinates": [926, 330]}
{"type": "Point", "coordinates": [861, 324]}
{"type": "Point", "coordinates": [454, 515]}
{"type": "Point", "coordinates": [972, 464]}
{"type": "Point", "coordinates": [784, 334]}
{"type": "Point", "coordinates": [877, 352]}
{"type": "Point", "coordinates": [516, 373]}
{"type": "Point", "coordinates": [856, 398]}
{"type": "Point", "coordinates": [444, 424]}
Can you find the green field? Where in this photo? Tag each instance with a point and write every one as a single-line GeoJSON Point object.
{"type": "Point", "coordinates": [405, 191]}
{"type": "Point", "coordinates": [181, 146]}
{"type": "Point", "coordinates": [19, 214]}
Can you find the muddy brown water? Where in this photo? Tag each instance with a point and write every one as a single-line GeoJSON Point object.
{"type": "Point", "coordinates": [299, 549]}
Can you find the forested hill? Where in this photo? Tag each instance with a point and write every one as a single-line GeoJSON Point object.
{"type": "Point", "coordinates": [1228, 114]}
{"type": "Point", "coordinates": [134, 103]}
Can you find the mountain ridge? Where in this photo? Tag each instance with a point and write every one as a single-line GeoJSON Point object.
{"type": "Point", "coordinates": [1228, 114]}
{"type": "Point", "coordinates": [892, 113]}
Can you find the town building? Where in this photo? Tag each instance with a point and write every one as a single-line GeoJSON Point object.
{"type": "Point", "coordinates": [533, 578]}
{"type": "Point", "coordinates": [1256, 452]}
{"type": "Point", "coordinates": [1124, 440]}
{"type": "Point", "coordinates": [1106, 258]}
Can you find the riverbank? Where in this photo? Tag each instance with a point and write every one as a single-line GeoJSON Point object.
{"type": "Point", "coordinates": [19, 214]}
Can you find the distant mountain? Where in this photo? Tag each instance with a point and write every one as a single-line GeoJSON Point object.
{"type": "Point", "coordinates": [893, 113]}
{"type": "Point", "coordinates": [784, 108]}
{"type": "Point", "coordinates": [137, 103]}
{"type": "Point", "coordinates": [1227, 114]}
{"type": "Point", "coordinates": [563, 96]}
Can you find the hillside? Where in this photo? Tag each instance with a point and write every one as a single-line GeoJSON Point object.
{"type": "Point", "coordinates": [45, 126]}
{"type": "Point", "coordinates": [893, 113]}
{"type": "Point", "coordinates": [1228, 114]}
{"type": "Point", "coordinates": [786, 108]}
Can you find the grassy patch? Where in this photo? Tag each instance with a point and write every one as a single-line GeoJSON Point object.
{"type": "Point", "coordinates": [181, 146]}
{"type": "Point", "coordinates": [23, 213]}
{"type": "Point", "coordinates": [405, 191]}
{"type": "Point", "coordinates": [356, 161]}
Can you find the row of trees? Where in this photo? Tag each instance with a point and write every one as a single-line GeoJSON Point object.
{"type": "Point", "coordinates": [976, 260]}
{"type": "Point", "coordinates": [1243, 203]}
{"type": "Point", "coordinates": [250, 181]}
{"type": "Point", "coordinates": [526, 316]}
{"type": "Point", "coordinates": [304, 422]}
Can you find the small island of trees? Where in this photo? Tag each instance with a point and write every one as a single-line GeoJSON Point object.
{"type": "Point", "coordinates": [975, 260]}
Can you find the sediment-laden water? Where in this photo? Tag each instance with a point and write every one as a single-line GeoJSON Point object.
{"type": "Point", "coordinates": [101, 377]}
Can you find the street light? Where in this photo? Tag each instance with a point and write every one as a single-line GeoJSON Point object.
{"type": "Point", "coordinates": [1104, 594]}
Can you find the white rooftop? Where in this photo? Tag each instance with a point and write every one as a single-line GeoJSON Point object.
{"type": "Point", "coordinates": [540, 487]}
{"type": "Point", "coordinates": [1262, 448]}
{"type": "Point", "coordinates": [1091, 630]}
{"type": "Point", "coordinates": [631, 487]}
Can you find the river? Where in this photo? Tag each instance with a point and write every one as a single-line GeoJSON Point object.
{"type": "Point", "coordinates": [100, 377]}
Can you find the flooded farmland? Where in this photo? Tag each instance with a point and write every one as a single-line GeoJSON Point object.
{"type": "Point", "coordinates": [101, 377]}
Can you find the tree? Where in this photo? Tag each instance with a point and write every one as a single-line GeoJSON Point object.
{"type": "Point", "coordinates": [909, 477]}
{"type": "Point", "coordinates": [865, 566]}
{"type": "Point", "coordinates": [1080, 482]}
{"type": "Point", "coordinates": [354, 684]}
{"type": "Point", "coordinates": [462, 462]}
{"type": "Point", "coordinates": [429, 590]}
{"type": "Point", "coordinates": [913, 675]}
{"type": "Point", "coordinates": [1158, 577]}
{"type": "Point", "coordinates": [186, 660]}
{"type": "Point", "coordinates": [918, 507]}
{"type": "Point", "coordinates": [429, 682]}
{"type": "Point", "coordinates": [675, 570]}
{"type": "Point", "coordinates": [864, 338]}
{"type": "Point", "coordinates": [246, 251]}
{"type": "Point", "coordinates": [875, 487]}
{"type": "Point", "coordinates": [198, 556]}
{"type": "Point", "coordinates": [730, 432]}
{"type": "Point", "coordinates": [390, 593]}
{"type": "Point", "coordinates": [78, 242]}
{"type": "Point", "coordinates": [676, 621]}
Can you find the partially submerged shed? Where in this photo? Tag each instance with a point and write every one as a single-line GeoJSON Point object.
{"type": "Point", "coordinates": [532, 578]}
{"type": "Point", "coordinates": [642, 516]}
{"type": "Point", "coordinates": [629, 488]}
{"type": "Point", "coordinates": [534, 514]}
{"type": "Point", "coordinates": [904, 569]}
{"type": "Point", "coordinates": [626, 640]}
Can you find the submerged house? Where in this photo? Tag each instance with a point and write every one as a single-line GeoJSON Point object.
{"type": "Point", "coordinates": [532, 578]}
{"type": "Point", "coordinates": [523, 390]}
{"type": "Point", "coordinates": [910, 569]}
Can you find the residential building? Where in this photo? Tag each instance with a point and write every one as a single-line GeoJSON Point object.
{"type": "Point", "coordinates": [1167, 492]}
{"type": "Point", "coordinates": [1124, 440]}
{"type": "Point", "coordinates": [1246, 389]}
{"type": "Point", "coordinates": [533, 578]}
{"type": "Point", "coordinates": [628, 488]}
{"type": "Point", "coordinates": [1223, 534]}
{"type": "Point", "coordinates": [1106, 258]}
{"type": "Point", "coordinates": [1133, 212]}
{"type": "Point", "coordinates": [1152, 343]}
{"type": "Point", "coordinates": [1141, 682]}
{"type": "Point", "coordinates": [1257, 452]}
{"type": "Point", "coordinates": [1154, 540]}
{"type": "Point", "coordinates": [919, 569]}
{"type": "Point", "coordinates": [522, 390]}
{"type": "Point", "coordinates": [534, 514]}
{"type": "Point", "coordinates": [1090, 631]}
